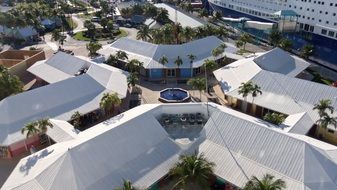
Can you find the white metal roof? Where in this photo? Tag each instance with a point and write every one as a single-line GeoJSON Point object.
{"type": "Point", "coordinates": [59, 67]}
{"type": "Point", "coordinates": [150, 54]}
{"type": "Point", "coordinates": [59, 100]}
{"type": "Point", "coordinates": [61, 131]}
{"type": "Point", "coordinates": [280, 61]}
{"type": "Point", "coordinates": [134, 146]}
{"type": "Point", "coordinates": [182, 18]}
{"type": "Point", "coordinates": [281, 92]}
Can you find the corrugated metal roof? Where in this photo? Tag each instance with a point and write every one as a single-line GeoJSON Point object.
{"type": "Point", "coordinates": [61, 131]}
{"type": "Point", "coordinates": [280, 61]}
{"type": "Point", "coordinates": [58, 67]}
{"type": "Point", "coordinates": [280, 92]}
{"type": "Point", "coordinates": [150, 54]}
{"type": "Point", "coordinates": [59, 100]}
{"type": "Point", "coordinates": [134, 146]}
{"type": "Point", "coordinates": [257, 148]}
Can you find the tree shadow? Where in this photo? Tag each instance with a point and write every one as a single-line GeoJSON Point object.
{"type": "Point", "coordinates": [32, 160]}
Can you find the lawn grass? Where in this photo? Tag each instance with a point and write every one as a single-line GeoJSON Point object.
{"type": "Point", "coordinates": [80, 36]}
{"type": "Point", "coordinates": [122, 33]}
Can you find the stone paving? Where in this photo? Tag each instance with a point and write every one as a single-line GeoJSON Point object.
{"type": "Point", "coordinates": [150, 91]}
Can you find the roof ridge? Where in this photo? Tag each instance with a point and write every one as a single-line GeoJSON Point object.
{"type": "Point", "coordinates": [261, 165]}
{"type": "Point", "coordinates": [315, 152]}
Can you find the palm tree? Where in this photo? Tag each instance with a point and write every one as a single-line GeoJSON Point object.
{"type": "Point", "coordinates": [112, 60]}
{"type": "Point", "coordinates": [43, 125]}
{"type": "Point", "coordinates": [188, 33]}
{"type": "Point", "coordinates": [286, 44]}
{"type": "Point", "coordinates": [163, 60]}
{"type": "Point", "coordinates": [144, 33]}
{"type": "Point", "coordinates": [108, 102]}
{"type": "Point", "coordinates": [132, 80]}
{"type": "Point", "coordinates": [134, 64]}
{"type": "Point", "coordinates": [255, 91]}
{"type": "Point", "coordinates": [203, 13]}
{"type": "Point", "coordinates": [322, 106]}
{"type": "Point", "coordinates": [266, 183]}
{"type": "Point", "coordinates": [167, 33]}
{"type": "Point", "coordinates": [210, 66]}
{"type": "Point", "coordinates": [162, 16]}
{"type": "Point", "coordinates": [217, 52]}
{"type": "Point", "coordinates": [177, 28]}
{"type": "Point", "coordinates": [192, 171]}
{"type": "Point", "coordinates": [178, 62]}
{"type": "Point", "coordinates": [200, 32]}
{"type": "Point", "coordinates": [222, 32]}
{"type": "Point", "coordinates": [30, 129]}
{"type": "Point", "coordinates": [245, 89]}
{"type": "Point", "coordinates": [307, 50]}
{"type": "Point", "coordinates": [197, 84]}
{"type": "Point", "coordinates": [244, 39]}
{"type": "Point", "coordinates": [326, 120]}
{"type": "Point", "coordinates": [127, 185]}
{"type": "Point", "coordinates": [191, 57]}
{"type": "Point", "coordinates": [76, 119]}
{"type": "Point", "coordinates": [121, 55]}
{"type": "Point", "coordinates": [274, 118]}
{"type": "Point", "coordinates": [157, 36]}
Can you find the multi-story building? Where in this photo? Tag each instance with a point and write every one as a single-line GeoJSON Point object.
{"type": "Point", "coordinates": [317, 17]}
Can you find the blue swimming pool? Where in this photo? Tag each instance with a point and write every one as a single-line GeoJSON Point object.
{"type": "Point", "coordinates": [174, 95]}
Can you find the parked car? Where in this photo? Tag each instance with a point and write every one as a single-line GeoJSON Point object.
{"type": "Point", "coordinates": [95, 19]}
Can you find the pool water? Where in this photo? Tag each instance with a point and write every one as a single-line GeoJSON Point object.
{"type": "Point", "coordinates": [174, 95]}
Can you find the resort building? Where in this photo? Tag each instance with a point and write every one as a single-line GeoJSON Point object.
{"type": "Point", "coordinates": [58, 100]}
{"type": "Point", "coordinates": [281, 91]}
{"type": "Point", "coordinates": [150, 55]}
{"type": "Point", "coordinates": [144, 143]}
{"type": "Point", "coordinates": [317, 18]}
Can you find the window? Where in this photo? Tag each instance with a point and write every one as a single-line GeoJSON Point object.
{"type": "Point", "coordinates": [324, 31]}
{"type": "Point", "coordinates": [331, 131]}
{"type": "Point", "coordinates": [171, 72]}
{"type": "Point", "coordinates": [331, 33]}
{"type": "Point", "coordinates": [311, 28]}
{"type": "Point", "coordinates": [197, 70]}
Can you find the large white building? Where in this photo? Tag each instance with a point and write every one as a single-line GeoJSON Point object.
{"type": "Point", "coordinates": [134, 145]}
{"type": "Point", "coordinates": [314, 16]}
{"type": "Point", "coordinates": [65, 94]}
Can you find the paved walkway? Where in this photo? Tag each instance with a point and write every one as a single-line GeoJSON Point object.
{"type": "Point", "coordinates": [151, 90]}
